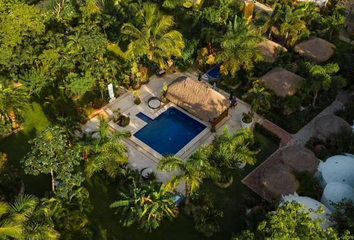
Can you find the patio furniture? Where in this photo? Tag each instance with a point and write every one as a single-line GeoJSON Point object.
{"type": "Point", "coordinates": [160, 72]}
{"type": "Point", "coordinates": [154, 102]}
{"type": "Point", "coordinates": [145, 172]}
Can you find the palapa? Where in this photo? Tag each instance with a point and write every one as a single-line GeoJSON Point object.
{"type": "Point", "coordinates": [270, 49]}
{"type": "Point", "coordinates": [278, 180]}
{"type": "Point", "coordinates": [300, 158]}
{"type": "Point", "coordinates": [281, 81]}
{"type": "Point", "coordinates": [329, 125]}
{"type": "Point", "coordinates": [315, 49]}
{"type": "Point", "coordinates": [197, 98]}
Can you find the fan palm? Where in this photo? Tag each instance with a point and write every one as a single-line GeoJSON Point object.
{"type": "Point", "coordinates": [105, 152]}
{"type": "Point", "coordinates": [239, 48]}
{"type": "Point", "coordinates": [154, 38]}
{"type": "Point", "coordinates": [259, 97]}
{"type": "Point", "coordinates": [192, 172]}
{"type": "Point", "coordinates": [230, 150]}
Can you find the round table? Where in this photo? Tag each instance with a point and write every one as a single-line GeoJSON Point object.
{"type": "Point", "coordinates": [154, 103]}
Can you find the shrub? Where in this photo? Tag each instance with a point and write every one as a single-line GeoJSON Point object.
{"type": "Point", "coordinates": [97, 103]}
{"type": "Point", "coordinates": [309, 185]}
{"type": "Point", "coordinates": [269, 134]}
{"type": "Point", "coordinates": [247, 117]}
{"type": "Point", "coordinates": [137, 101]}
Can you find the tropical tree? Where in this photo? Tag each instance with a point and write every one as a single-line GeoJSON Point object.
{"type": "Point", "coordinates": [23, 219]}
{"type": "Point", "coordinates": [318, 77]}
{"type": "Point", "coordinates": [104, 152]}
{"type": "Point", "coordinates": [239, 48]}
{"type": "Point", "coordinates": [259, 97]}
{"type": "Point", "coordinates": [228, 151]}
{"type": "Point", "coordinates": [192, 172]}
{"type": "Point", "coordinates": [292, 221]}
{"type": "Point", "coordinates": [154, 38]}
{"type": "Point", "coordinates": [50, 154]}
{"type": "Point", "coordinates": [145, 204]}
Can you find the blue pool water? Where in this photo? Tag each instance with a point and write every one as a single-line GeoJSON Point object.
{"type": "Point", "coordinates": [169, 132]}
{"type": "Point", "coordinates": [214, 73]}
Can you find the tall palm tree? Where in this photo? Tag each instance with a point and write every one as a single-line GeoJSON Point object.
{"type": "Point", "coordinates": [229, 150]}
{"type": "Point", "coordinates": [239, 47]}
{"type": "Point", "coordinates": [290, 23]}
{"type": "Point", "coordinates": [146, 204]}
{"type": "Point", "coordinates": [104, 152]}
{"type": "Point", "coordinates": [192, 172]}
{"type": "Point", "coordinates": [155, 38]}
{"type": "Point", "coordinates": [259, 98]}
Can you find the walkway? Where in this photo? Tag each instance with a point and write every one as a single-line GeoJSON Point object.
{"type": "Point", "coordinates": [282, 134]}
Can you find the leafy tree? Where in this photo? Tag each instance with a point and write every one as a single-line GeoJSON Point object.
{"type": "Point", "coordinates": [80, 85]}
{"type": "Point", "coordinates": [227, 151]}
{"type": "Point", "coordinates": [239, 48]}
{"type": "Point", "coordinates": [70, 216]}
{"type": "Point", "coordinates": [145, 204]}
{"type": "Point", "coordinates": [192, 172]}
{"type": "Point", "coordinates": [317, 77]}
{"type": "Point", "coordinates": [292, 221]}
{"type": "Point", "coordinates": [154, 39]}
{"type": "Point", "coordinates": [104, 152]}
{"type": "Point", "coordinates": [36, 80]}
{"type": "Point", "coordinates": [51, 154]}
{"type": "Point", "coordinates": [259, 97]}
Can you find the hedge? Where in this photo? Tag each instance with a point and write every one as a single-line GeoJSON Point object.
{"type": "Point", "coordinates": [269, 134]}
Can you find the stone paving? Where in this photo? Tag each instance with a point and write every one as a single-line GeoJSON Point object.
{"type": "Point", "coordinates": [282, 134]}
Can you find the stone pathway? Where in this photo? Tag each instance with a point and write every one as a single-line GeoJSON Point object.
{"type": "Point", "coordinates": [282, 134]}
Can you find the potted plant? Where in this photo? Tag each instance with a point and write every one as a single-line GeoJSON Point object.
{"type": "Point", "coordinates": [247, 120]}
{"type": "Point", "coordinates": [136, 95]}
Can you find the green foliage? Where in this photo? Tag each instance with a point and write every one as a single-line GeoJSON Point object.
{"type": "Point", "coordinates": [309, 185]}
{"type": "Point", "coordinates": [259, 97]}
{"type": "Point", "coordinates": [239, 48]}
{"type": "Point", "coordinates": [146, 204]}
{"type": "Point", "coordinates": [347, 112]}
{"type": "Point", "coordinates": [292, 221]}
{"type": "Point", "coordinates": [344, 216]}
{"type": "Point", "coordinates": [36, 80]}
{"type": "Point", "coordinates": [106, 152]}
{"type": "Point", "coordinates": [227, 151]}
{"type": "Point", "coordinates": [247, 117]}
{"type": "Point", "coordinates": [80, 85]}
{"type": "Point", "coordinates": [50, 154]}
{"type": "Point", "coordinates": [262, 130]}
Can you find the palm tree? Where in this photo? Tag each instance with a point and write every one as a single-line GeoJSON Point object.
{"type": "Point", "coordinates": [192, 172]}
{"type": "Point", "coordinates": [154, 38]}
{"type": "Point", "coordinates": [146, 204]}
{"type": "Point", "coordinates": [104, 152]}
{"type": "Point", "coordinates": [229, 150]}
{"type": "Point", "coordinates": [290, 23]}
{"type": "Point", "coordinates": [259, 98]}
{"type": "Point", "coordinates": [12, 103]}
{"type": "Point", "coordinates": [239, 48]}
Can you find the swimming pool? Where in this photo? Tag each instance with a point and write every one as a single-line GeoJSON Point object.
{"type": "Point", "coordinates": [169, 132]}
{"type": "Point", "coordinates": [214, 73]}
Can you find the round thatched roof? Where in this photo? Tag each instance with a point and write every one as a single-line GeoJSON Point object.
{"type": "Point", "coordinates": [277, 180]}
{"type": "Point", "coordinates": [329, 125]}
{"type": "Point", "coordinates": [315, 49]}
{"type": "Point", "coordinates": [270, 49]}
{"type": "Point", "coordinates": [281, 81]}
{"type": "Point", "coordinates": [197, 98]}
{"type": "Point", "coordinates": [299, 158]}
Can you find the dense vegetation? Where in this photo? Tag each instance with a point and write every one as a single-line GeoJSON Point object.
{"type": "Point", "coordinates": [57, 58]}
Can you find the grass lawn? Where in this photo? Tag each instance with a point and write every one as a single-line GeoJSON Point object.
{"type": "Point", "coordinates": [104, 223]}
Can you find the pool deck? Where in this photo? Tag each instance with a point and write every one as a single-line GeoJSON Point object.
{"type": "Point", "coordinates": [140, 154]}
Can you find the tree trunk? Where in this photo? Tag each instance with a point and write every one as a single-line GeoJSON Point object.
{"type": "Point", "coordinates": [52, 175]}
{"type": "Point", "coordinates": [314, 99]}
{"type": "Point", "coordinates": [187, 193]}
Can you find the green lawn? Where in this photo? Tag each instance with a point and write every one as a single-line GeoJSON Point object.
{"type": "Point", "coordinates": [104, 222]}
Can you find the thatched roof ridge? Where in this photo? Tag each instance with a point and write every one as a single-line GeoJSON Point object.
{"type": "Point", "coordinates": [329, 125]}
{"type": "Point", "coordinates": [281, 81]}
{"type": "Point", "coordinates": [278, 180]}
{"type": "Point", "coordinates": [270, 49]}
{"type": "Point", "coordinates": [197, 98]}
{"type": "Point", "coordinates": [315, 49]}
{"type": "Point", "coordinates": [299, 158]}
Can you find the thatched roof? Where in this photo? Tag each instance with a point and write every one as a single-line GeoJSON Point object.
{"type": "Point", "coordinates": [197, 98]}
{"type": "Point", "coordinates": [281, 81]}
{"type": "Point", "coordinates": [270, 49]}
{"type": "Point", "coordinates": [329, 125]}
{"type": "Point", "coordinates": [315, 49]}
{"type": "Point", "coordinates": [300, 158]}
{"type": "Point", "coordinates": [278, 180]}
